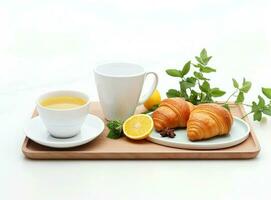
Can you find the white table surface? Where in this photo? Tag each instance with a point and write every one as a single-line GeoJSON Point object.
{"type": "Point", "coordinates": [46, 45]}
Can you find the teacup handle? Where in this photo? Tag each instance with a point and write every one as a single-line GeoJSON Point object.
{"type": "Point", "coordinates": [144, 97]}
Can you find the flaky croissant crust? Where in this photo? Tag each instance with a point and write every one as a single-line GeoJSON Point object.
{"type": "Point", "coordinates": [172, 113]}
{"type": "Point", "coordinates": [208, 120]}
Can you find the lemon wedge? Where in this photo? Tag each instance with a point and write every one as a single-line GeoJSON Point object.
{"type": "Point", "coordinates": [155, 99]}
{"type": "Point", "coordinates": [138, 127]}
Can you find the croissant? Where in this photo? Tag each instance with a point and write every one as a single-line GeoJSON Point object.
{"type": "Point", "coordinates": [172, 113]}
{"type": "Point", "coordinates": [208, 120]}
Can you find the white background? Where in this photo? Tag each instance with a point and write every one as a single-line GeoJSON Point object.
{"type": "Point", "coordinates": [46, 45]}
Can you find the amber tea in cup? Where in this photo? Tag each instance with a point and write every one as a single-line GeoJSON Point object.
{"type": "Point", "coordinates": [63, 102]}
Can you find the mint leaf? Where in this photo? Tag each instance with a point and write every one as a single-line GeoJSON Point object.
{"type": "Point", "coordinates": [203, 54]}
{"type": "Point", "coordinates": [208, 99]}
{"type": "Point", "coordinates": [115, 129]}
{"type": "Point", "coordinates": [205, 87]}
{"type": "Point", "coordinates": [197, 65]}
{"type": "Point", "coordinates": [193, 97]}
{"type": "Point", "coordinates": [184, 94]}
{"type": "Point", "coordinates": [267, 111]}
{"type": "Point", "coordinates": [191, 80]}
{"type": "Point", "coordinates": [235, 83]}
{"type": "Point", "coordinates": [202, 97]}
{"type": "Point", "coordinates": [208, 59]}
{"type": "Point", "coordinates": [200, 76]}
{"type": "Point", "coordinates": [246, 86]}
{"type": "Point", "coordinates": [257, 116]}
{"type": "Point", "coordinates": [261, 103]}
{"type": "Point", "coordinates": [174, 72]}
{"type": "Point", "coordinates": [199, 60]}
{"type": "Point", "coordinates": [240, 98]}
{"type": "Point", "coordinates": [267, 92]}
{"type": "Point", "coordinates": [173, 93]}
{"type": "Point", "coordinates": [254, 106]}
{"type": "Point", "coordinates": [185, 84]}
{"type": "Point", "coordinates": [207, 69]}
{"type": "Point", "coordinates": [114, 134]}
{"type": "Point", "coordinates": [216, 92]}
{"type": "Point", "coordinates": [204, 57]}
{"type": "Point", "coordinates": [185, 69]}
{"type": "Point", "coordinates": [114, 124]}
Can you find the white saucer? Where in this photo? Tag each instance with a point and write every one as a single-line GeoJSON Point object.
{"type": "Point", "coordinates": [92, 128]}
{"type": "Point", "coordinates": [239, 133]}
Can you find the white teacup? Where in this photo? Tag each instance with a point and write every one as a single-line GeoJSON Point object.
{"type": "Point", "coordinates": [63, 123]}
{"type": "Point", "coordinates": [119, 87]}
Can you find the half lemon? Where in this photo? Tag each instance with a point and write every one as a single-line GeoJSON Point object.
{"type": "Point", "coordinates": [138, 127]}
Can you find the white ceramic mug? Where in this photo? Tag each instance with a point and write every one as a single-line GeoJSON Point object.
{"type": "Point", "coordinates": [67, 122]}
{"type": "Point", "coordinates": [119, 87]}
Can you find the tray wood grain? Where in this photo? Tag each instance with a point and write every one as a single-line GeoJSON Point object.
{"type": "Point", "coordinates": [104, 148]}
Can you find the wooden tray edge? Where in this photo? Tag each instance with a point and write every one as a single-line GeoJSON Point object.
{"type": "Point", "coordinates": [146, 156]}
{"type": "Point", "coordinates": [206, 155]}
{"type": "Point", "coordinates": [25, 150]}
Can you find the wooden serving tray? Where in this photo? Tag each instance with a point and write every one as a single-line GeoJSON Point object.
{"type": "Point", "coordinates": [104, 148]}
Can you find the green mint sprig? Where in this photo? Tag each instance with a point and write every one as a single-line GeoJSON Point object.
{"type": "Point", "coordinates": [239, 92]}
{"type": "Point", "coordinates": [195, 87]}
{"type": "Point", "coordinates": [259, 108]}
{"type": "Point", "coordinates": [115, 129]}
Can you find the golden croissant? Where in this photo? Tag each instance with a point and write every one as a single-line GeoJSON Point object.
{"type": "Point", "coordinates": [172, 113]}
{"type": "Point", "coordinates": [208, 120]}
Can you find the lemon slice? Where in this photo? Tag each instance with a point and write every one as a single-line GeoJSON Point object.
{"type": "Point", "coordinates": [138, 127]}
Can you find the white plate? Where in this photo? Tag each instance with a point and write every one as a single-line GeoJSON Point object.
{"type": "Point", "coordinates": [239, 133]}
{"type": "Point", "coordinates": [92, 128]}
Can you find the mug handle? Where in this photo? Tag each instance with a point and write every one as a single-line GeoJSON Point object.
{"type": "Point", "coordinates": [144, 97]}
